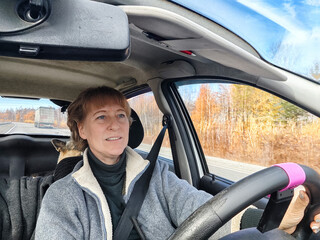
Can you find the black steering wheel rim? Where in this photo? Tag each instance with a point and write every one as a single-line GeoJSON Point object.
{"type": "Point", "coordinates": [220, 209]}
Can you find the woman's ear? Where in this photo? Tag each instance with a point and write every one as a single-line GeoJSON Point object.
{"type": "Point", "coordinates": [81, 131]}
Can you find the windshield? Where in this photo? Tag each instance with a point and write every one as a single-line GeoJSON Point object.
{"type": "Point", "coordinates": [284, 32]}
{"type": "Point", "coordinates": [31, 116]}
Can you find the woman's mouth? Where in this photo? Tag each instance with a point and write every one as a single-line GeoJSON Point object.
{"type": "Point", "coordinates": [113, 138]}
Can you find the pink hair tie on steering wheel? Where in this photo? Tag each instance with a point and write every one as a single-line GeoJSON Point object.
{"type": "Point", "coordinates": [295, 173]}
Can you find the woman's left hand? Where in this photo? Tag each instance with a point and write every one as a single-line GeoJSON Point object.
{"type": "Point", "coordinates": [295, 212]}
{"type": "Point", "coordinates": [315, 225]}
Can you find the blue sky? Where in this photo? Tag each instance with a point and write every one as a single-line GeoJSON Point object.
{"type": "Point", "coordinates": [284, 32]}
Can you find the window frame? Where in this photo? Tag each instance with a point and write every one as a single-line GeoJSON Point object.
{"type": "Point", "coordinates": [185, 125]}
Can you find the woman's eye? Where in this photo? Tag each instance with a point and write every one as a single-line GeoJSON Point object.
{"type": "Point", "coordinates": [101, 117]}
{"type": "Point", "coordinates": [121, 115]}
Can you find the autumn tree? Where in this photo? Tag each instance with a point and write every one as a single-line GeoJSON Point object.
{"type": "Point", "coordinates": [60, 118]}
{"type": "Point", "coordinates": [290, 112]}
{"type": "Point", "coordinates": [205, 116]}
{"type": "Point", "coordinates": [149, 114]}
{"type": "Point", "coordinates": [4, 116]}
{"type": "Point", "coordinates": [11, 115]}
{"type": "Point", "coordinates": [29, 116]}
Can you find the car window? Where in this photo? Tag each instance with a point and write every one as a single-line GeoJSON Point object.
{"type": "Point", "coordinates": [32, 116]}
{"type": "Point", "coordinates": [151, 119]}
{"type": "Point", "coordinates": [243, 129]}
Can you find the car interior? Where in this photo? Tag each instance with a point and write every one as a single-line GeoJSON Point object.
{"type": "Point", "coordinates": [139, 47]}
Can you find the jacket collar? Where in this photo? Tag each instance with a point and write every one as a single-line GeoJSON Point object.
{"type": "Point", "coordinates": [136, 165]}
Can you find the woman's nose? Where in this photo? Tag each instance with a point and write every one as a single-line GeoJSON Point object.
{"type": "Point", "coordinates": [114, 124]}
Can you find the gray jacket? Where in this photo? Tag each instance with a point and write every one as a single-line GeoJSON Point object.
{"type": "Point", "coordinates": [75, 207]}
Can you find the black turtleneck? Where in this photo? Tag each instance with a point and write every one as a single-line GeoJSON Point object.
{"type": "Point", "coordinates": [111, 179]}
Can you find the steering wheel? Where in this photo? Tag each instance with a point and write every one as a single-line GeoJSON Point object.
{"type": "Point", "coordinates": [222, 207]}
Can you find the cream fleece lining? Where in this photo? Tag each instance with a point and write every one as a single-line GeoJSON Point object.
{"type": "Point", "coordinates": [135, 165]}
{"type": "Point", "coordinates": [85, 177]}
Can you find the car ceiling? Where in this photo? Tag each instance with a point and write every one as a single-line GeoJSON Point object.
{"type": "Point", "coordinates": [150, 58]}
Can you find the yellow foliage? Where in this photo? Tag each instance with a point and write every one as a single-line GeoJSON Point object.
{"type": "Point", "coordinates": [63, 124]}
{"type": "Point", "coordinates": [250, 128]}
{"type": "Point", "coordinates": [28, 121]}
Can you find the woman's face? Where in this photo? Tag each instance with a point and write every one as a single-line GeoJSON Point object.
{"type": "Point", "coordinates": [107, 131]}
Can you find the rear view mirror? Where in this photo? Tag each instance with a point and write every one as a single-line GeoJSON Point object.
{"type": "Point", "coordinates": [63, 29]}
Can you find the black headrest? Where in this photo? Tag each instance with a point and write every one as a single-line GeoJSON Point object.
{"type": "Point", "coordinates": [136, 132]}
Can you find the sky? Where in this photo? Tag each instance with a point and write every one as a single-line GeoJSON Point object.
{"type": "Point", "coordinates": [284, 32]}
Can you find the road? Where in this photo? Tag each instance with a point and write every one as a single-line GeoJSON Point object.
{"type": "Point", "coordinates": [231, 170]}
{"type": "Point", "coordinates": [29, 128]}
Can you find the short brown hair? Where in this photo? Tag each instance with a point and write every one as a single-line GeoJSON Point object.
{"type": "Point", "coordinates": [79, 108]}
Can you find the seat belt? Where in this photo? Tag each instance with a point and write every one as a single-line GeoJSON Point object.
{"type": "Point", "coordinates": [130, 213]}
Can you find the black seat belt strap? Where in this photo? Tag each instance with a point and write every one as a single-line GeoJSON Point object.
{"type": "Point", "coordinates": [129, 216]}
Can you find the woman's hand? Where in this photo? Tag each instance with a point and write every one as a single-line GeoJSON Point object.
{"type": "Point", "coordinates": [295, 212]}
{"type": "Point", "coordinates": [315, 225]}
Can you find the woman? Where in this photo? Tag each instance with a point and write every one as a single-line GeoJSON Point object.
{"type": "Point", "coordinates": [88, 203]}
